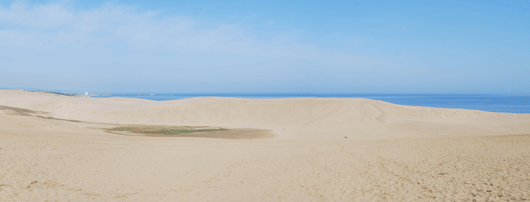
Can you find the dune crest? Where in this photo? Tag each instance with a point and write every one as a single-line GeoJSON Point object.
{"type": "Point", "coordinates": [392, 153]}
{"type": "Point", "coordinates": [308, 117]}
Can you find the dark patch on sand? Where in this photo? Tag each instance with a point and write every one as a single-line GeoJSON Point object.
{"type": "Point", "coordinates": [190, 131]}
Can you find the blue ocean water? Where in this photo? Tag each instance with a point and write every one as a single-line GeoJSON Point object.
{"type": "Point", "coordinates": [490, 103]}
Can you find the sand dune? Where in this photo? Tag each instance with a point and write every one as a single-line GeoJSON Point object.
{"type": "Point", "coordinates": [393, 152]}
{"type": "Point", "coordinates": [305, 117]}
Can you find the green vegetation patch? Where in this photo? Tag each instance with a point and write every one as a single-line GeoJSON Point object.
{"type": "Point", "coordinates": [20, 111]}
{"type": "Point", "coordinates": [164, 131]}
{"type": "Point", "coordinates": [189, 131]}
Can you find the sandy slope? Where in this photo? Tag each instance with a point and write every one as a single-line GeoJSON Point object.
{"type": "Point", "coordinates": [361, 119]}
{"type": "Point", "coordinates": [393, 153]}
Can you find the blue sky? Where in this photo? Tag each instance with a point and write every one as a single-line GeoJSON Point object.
{"type": "Point", "coordinates": [266, 46]}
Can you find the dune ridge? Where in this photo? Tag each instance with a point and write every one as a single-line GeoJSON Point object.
{"type": "Point", "coordinates": [393, 152]}
{"type": "Point", "coordinates": [312, 117]}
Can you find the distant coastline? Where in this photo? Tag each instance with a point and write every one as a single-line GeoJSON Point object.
{"type": "Point", "coordinates": [515, 103]}
{"type": "Point", "coordinates": [504, 103]}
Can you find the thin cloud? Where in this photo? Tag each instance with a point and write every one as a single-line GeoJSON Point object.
{"type": "Point", "coordinates": [58, 25]}
{"type": "Point", "coordinates": [114, 42]}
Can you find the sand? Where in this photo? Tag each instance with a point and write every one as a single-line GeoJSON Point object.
{"type": "Point", "coordinates": [393, 152]}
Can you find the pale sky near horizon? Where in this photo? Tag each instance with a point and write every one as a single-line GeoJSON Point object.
{"type": "Point", "coordinates": [266, 46]}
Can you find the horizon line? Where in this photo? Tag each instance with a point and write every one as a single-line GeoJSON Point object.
{"type": "Point", "coordinates": [97, 94]}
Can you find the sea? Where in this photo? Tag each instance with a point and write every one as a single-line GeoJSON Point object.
{"type": "Point", "coordinates": [519, 104]}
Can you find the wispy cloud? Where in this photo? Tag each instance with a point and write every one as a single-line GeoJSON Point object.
{"type": "Point", "coordinates": [231, 50]}
{"type": "Point", "coordinates": [57, 25]}
{"type": "Point", "coordinates": [114, 44]}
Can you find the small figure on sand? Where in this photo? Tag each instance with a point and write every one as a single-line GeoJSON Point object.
{"type": "Point", "coordinates": [345, 138]}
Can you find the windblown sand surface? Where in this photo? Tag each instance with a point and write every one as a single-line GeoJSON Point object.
{"type": "Point", "coordinates": [393, 152]}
